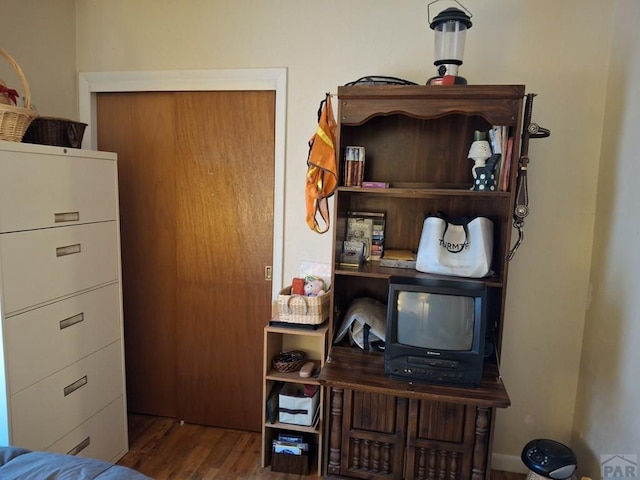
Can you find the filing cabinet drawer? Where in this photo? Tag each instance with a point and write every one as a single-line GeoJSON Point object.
{"type": "Point", "coordinates": [45, 190]}
{"type": "Point", "coordinates": [51, 408]}
{"type": "Point", "coordinates": [103, 436]}
{"type": "Point", "coordinates": [42, 341]}
{"type": "Point", "coordinates": [42, 265]}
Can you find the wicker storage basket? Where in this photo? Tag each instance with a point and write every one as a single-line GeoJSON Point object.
{"type": "Point", "coordinates": [60, 132]}
{"type": "Point", "coordinates": [287, 362]}
{"type": "Point", "coordinates": [15, 120]}
{"type": "Point", "coordinates": [301, 309]}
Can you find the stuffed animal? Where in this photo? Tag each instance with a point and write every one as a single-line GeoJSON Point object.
{"type": "Point", "coordinates": [314, 287]}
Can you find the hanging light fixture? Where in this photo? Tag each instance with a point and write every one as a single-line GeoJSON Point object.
{"type": "Point", "coordinates": [450, 27]}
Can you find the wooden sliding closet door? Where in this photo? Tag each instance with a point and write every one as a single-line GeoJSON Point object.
{"type": "Point", "coordinates": [140, 128]}
{"type": "Point", "coordinates": [196, 182]}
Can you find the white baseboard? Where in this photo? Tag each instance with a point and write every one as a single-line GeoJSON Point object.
{"type": "Point", "coordinates": [508, 463]}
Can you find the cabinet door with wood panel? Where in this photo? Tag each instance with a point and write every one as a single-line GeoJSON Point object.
{"type": "Point", "coordinates": [442, 440]}
{"type": "Point", "coordinates": [372, 434]}
{"type": "Point", "coordinates": [380, 428]}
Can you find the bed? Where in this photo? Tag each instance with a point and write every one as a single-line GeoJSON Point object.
{"type": "Point", "coordinates": [23, 464]}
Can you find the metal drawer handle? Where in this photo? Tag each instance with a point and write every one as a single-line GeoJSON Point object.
{"type": "Point", "coordinates": [68, 250]}
{"type": "Point", "coordinates": [66, 217]}
{"type": "Point", "coordinates": [81, 446]}
{"type": "Point", "coordinates": [70, 321]}
{"type": "Point", "coordinates": [69, 389]}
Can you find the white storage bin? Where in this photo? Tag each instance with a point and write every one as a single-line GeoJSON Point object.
{"type": "Point", "coordinates": [295, 407]}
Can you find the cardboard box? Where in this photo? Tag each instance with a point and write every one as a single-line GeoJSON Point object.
{"type": "Point", "coordinates": [295, 407]}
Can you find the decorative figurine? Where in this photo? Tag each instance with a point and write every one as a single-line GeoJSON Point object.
{"type": "Point", "coordinates": [484, 163]}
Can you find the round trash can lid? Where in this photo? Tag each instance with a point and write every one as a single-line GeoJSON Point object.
{"type": "Point", "coordinates": [549, 458]}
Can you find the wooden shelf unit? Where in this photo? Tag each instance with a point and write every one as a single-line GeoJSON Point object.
{"type": "Point", "coordinates": [313, 342]}
{"type": "Point", "coordinates": [416, 138]}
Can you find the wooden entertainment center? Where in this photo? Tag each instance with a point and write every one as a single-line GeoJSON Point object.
{"type": "Point", "coordinates": [416, 139]}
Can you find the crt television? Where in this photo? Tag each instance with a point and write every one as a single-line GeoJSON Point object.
{"type": "Point", "coordinates": [435, 330]}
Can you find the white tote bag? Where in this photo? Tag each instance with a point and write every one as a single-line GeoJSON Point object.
{"type": "Point", "coordinates": [460, 248]}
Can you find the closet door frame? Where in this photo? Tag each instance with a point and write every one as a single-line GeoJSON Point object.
{"type": "Point", "coordinates": [91, 83]}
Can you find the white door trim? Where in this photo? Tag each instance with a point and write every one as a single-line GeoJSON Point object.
{"type": "Point", "coordinates": [91, 83]}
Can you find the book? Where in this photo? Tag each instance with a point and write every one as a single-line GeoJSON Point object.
{"type": "Point", "coordinates": [290, 448]}
{"type": "Point", "coordinates": [360, 228]}
{"type": "Point", "coordinates": [351, 259]}
{"type": "Point", "coordinates": [506, 170]}
{"type": "Point", "coordinates": [353, 166]}
{"type": "Point", "coordinates": [375, 184]}
{"type": "Point", "coordinates": [398, 259]}
{"type": "Point", "coordinates": [353, 252]}
{"type": "Point", "coordinates": [400, 255]}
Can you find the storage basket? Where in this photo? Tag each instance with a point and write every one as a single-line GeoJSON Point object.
{"type": "Point", "coordinates": [14, 121]}
{"type": "Point", "coordinates": [301, 309]}
{"type": "Point", "coordinates": [60, 132]}
{"type": "Point", "coordinates": [287, 362]}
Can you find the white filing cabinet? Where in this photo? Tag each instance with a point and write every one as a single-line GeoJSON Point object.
{"type": "Point", "coordinates": [62, 384]}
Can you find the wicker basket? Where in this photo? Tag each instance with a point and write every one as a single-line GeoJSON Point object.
{"type": "Point", "coordinates": [288, 362]}
{"type": "Point", "coordinates": [60, 132]}
{"type": "Point", "coordinates": [14, 121]}
{"type": "Point", "coordinates": [301, 309]}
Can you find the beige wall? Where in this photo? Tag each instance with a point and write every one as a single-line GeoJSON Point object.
{"type": "Point", "coordinates": [41, 37]}
{"type": "Point", "coordinates": [559, 50]}
{"type": "Point", "coordinates": [607, 420]}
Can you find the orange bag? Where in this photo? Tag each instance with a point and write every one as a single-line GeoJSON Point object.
{"type": "Point", "coordinates": [322, 172]}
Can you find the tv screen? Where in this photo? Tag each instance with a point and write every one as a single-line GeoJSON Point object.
{"type": "Point", "coordinates": [436, 321]}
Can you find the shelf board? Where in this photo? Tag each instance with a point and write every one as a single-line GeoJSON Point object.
{"type": "Point", "coordinates": [374, 270]}
{"type": "Point", "coordinates": [293, 330]}
{"type": "Point", "coordinates": [425, 192]}
{"type": "Point", "coordinates": [294, 377]}
{"type": "Point", "coordinates": [292, 426]}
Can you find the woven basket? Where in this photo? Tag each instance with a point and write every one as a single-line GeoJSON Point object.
{"type": "Point", "coordinates": [301, 309]}
{"type": "Point", "coordinates": [60, 132]}
{"type": "Point", "coordinates": [288, 362]}
{"type": "Point", "coordinates": [14, 121]}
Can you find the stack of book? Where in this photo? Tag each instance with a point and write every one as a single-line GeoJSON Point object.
{"type": "Point", "coordinates": [502, 144]}
{"type": "Point", "coordinates": [377, 238]}
{"type": "Point", "coordinates": [290, 444]}
{"type": "Point", "coordinates": [353, 166]}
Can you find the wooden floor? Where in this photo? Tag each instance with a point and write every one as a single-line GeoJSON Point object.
{"type": "Point", "coordinates": [165, 450]}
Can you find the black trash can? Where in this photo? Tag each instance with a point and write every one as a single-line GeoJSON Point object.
{"type": "Point", "coordinates": [549, 459]}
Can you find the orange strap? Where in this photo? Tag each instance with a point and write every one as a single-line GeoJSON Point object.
{"type": "Point", "coordinates": [322, 172]}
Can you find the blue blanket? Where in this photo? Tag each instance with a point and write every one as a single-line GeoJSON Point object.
{"type": "Point", "coordinates": [23, 464]}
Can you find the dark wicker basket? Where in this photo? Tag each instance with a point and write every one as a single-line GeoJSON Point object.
{"type": "Point", "coordinates": [287, 362]}
{"type": "Point", "coordinates": [55, 131]}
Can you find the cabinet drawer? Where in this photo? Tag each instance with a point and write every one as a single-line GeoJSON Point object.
{"type": "Point", "coordinates": [42, 341]}
{"type": "Point", "coordinates": [42, 265]}
{"type": "Point", "coordinates": [48, 410]}
{"type": "Point", "coordinates": [39, 190]}
{"type": "Point", "coordinates": [103, 436]}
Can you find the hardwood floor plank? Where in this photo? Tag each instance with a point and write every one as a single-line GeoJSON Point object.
{"type": "Point", "coordinates": [164, 449]}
